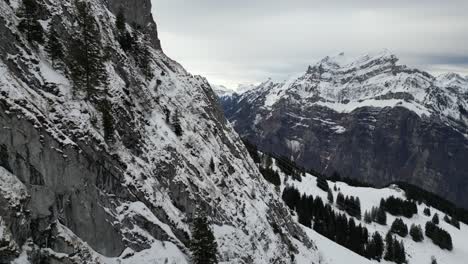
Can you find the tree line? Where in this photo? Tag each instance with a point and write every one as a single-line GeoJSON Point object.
{"type": "Point", "coordinates": [399, 207]}
{"type": "Point", "coordinates": [313, 213]}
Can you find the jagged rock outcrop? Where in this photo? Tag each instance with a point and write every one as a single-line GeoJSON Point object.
{"type": "Point", "coordinates": [367, 118]}
{"type": "Point", "coordinates": [75, 195]}
{"type": "Point", "coordinates": [138, 13]}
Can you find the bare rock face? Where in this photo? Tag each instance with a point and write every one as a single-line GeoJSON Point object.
{"type": "Point", "coordinates": [366, 118]}
{"type": "Point", "coordinates": [68, 194]}
{"type": "Point", "coordinates": [138, 12]}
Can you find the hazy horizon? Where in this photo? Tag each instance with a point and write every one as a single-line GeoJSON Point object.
{"type": "Point", "coordinates": [251, 41]}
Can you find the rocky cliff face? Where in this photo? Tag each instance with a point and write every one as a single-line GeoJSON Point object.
{"type": "Point", "coordinates": [368, 118]}
{"type": "Point", "coordinates": [67, 195]}
{"type": "Point", "coordinates": [138, 13]}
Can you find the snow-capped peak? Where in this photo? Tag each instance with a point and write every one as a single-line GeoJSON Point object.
{"type": "Point", "coordinates": [344, 61]}
{"type": "Point", "coordinates": [345, 83]}
{"type": "Point", "coordinates": [224, 91]}
{"type": "Point", "coordinates": [451, 76]}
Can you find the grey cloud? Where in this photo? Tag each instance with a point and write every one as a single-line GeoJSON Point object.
{"type": "Point", "coordinates": [250, 40]}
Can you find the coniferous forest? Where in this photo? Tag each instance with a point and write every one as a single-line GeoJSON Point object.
{"type": "Point", "coordinates": [314, 213]}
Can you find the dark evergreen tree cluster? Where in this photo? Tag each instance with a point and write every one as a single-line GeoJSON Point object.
{"type": "Point", "coordinates": [322, 183]}
{"type": "Point", "coordinates": [212, 165]}
{"type": "Point", "coordinates": [375, 247]}
{"type": "Point", "coordinates": [435, 219]}
{"type": "Point", "coordinates": [125, 39]}
{"type": "Point", "coordinates": [336, 177]}
{"type": "Point", "coordinates": [439, 236]}
{"type": "Point", "coordinates": [54, 45]}
{"type": "Point", "coordinates": [399, 207]}
{"type": "Point", "coordinates": [133, 43]}
{"type": "Point", "coordinates": [143, 58]}
{"type": "Point", "coordinates": [176, 126]}
{"type": "Point", "coordinates": [452, 221]}
{"type": "Point", "coordinates": [427, 211]}
{"type": "Point", "coordinates": [377, 215]}
{"type": "Point", "coordinates": [399, 228]}
{"type": "Point", "coordinates": [351, 205]}
{"type": "Point", "coordinates": [288, 167]}
{"type": "Point", "coordinates": [416, 233]}
{"type": "Point", "coordinates": [395, 250]}
{"type": "Point", "coordinates": [330, 196]}
{"type": "Point", "coordinates": [203, 245]}
{"type": "Point", "coordinates": [271, 176]}
{"type": "Point", "coordinates": [253, 151]}
{"type": "Point", "coordinates": [29, 21]}
{"type": "Point", "coordinates": [107, 120]}
{"type": "Point", "coordinates": [86, 57]}
{"type": "Point", "coordinates": [313, 213]}
{"type": "Point", "coordinates": [415, 193]}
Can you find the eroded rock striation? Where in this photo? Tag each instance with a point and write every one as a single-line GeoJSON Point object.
{"type": "Point", "coordinates": [72, 191]}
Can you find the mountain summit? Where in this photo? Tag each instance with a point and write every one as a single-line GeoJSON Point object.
{"type": "Point", "coordinates": [369, 118]}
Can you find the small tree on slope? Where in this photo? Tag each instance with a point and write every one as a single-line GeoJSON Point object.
{"type": "Point", "coordinates": [29, 23]}
{"type": "Point", "coordinates": [203, 244]}
{"type": "Point", "coordinates": [53, 45]}
{"type": "Point", "coordinates": [86, 58]}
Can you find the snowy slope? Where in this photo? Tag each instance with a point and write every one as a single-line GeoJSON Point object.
{"type": "Point", "coordinates": [369, 117]}
{"type": "Point", "coordinates": [417, 253]}
{"type": "Point", "coordinates": [130, 200]}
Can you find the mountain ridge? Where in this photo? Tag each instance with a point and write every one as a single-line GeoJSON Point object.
{"type": "Point", "coordinates": [117, 176]}
{"type": "Point", "coordinates": [369, 118]}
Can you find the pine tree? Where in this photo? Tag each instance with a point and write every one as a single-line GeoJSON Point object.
{"type": "Point", "coordinates": [427, 211]}
{"type": "Point", "coordinates": [367, 217]}
{"type": "Point", "coordinates": [435, 219]}
{"type": "Point", "coordinates": [379, 246]}
{"type": "Point", "coordinates": [455, 222]}
{"type": "Point", "coordinates": [121, 21]}
{"type": "Point", "coordinates": [29, 23]}
{"type": "Point", "coordinates": [439, 236]}
{"type": "Point", "coordinates": [86, 59]}
{"type": "Point", "coordinates": [203, 244]}
{"type": "Point", "coordinates": [433, 260]}
{"type": "Point", "coordinates": [176, 124]}
{"type": "Point", "coordinates": [416, 233]}
{"type": "Point", "coordinates": [322, 184]}
{"type": "Point", "coordinates": [399, 228]}
{"type": "Point", "coordinates": [107, 120]}
{"type": "Point", "coordinates": [399, 252]}
{"type": "Point", "coordinates": [212, 165]}
{"type": "Point", "coordinates": [125, 39]}
{"type": "Point", "coordinates": [330, 196]}
{"type": "Point", "coordinates": [54, 46]}
{"type": "Point", "coordinates": [357, 207]}
{"type": "Point", "coordinates": [340, 201]}
{"type": "Point", "coordinates": [389, 253]}
{"type": "Point", "coordinates": [144, 61]}
{"type": "Point", "coordinates": [381, 216]}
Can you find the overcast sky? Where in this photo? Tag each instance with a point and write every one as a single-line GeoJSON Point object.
{"type": "Point", "coordinates": [248, 41]}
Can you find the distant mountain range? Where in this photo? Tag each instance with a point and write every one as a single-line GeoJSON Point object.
{"type": "Point", "coordinates": [369, 118]}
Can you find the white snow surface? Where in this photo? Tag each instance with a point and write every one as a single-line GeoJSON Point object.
{"type": "Point", "coordinates": [417, 253]}
{"type": "Point", "coordinates": [345, 84]}
{"type": "Point", "coordinates": [241, 201]}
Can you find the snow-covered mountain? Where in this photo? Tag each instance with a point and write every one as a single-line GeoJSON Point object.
{"type": "Point", "coordinates": [368, 117]}
{"type": "Point", "coordinates": [116, 177]}
{"type": "Point", "coordinates": [416, 252]}
{"type": "Point", "coordinates": [223, 91]}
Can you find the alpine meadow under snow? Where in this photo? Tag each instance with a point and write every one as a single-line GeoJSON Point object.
{"type": "Point", "coordinates": [112, 153]}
